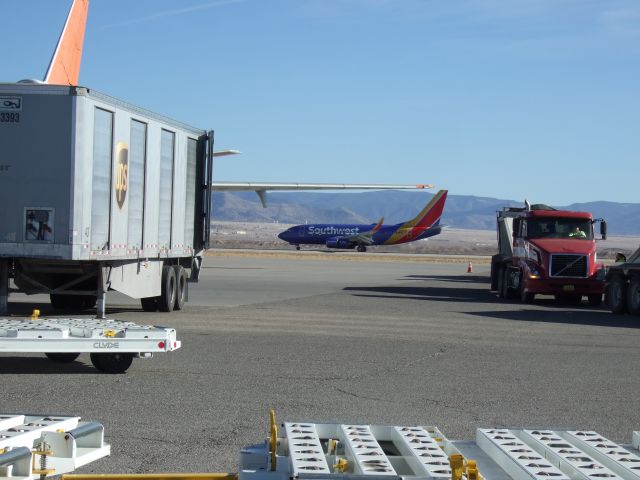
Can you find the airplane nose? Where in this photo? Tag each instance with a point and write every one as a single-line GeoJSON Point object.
{"type": "Point", "coordinates": [284, 235]}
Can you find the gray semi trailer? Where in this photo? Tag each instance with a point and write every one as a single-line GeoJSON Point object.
{"type": "Point", "coordinates": [99, 195]}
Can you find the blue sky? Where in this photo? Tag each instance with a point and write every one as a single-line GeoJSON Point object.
{"type": "Point", "coordinates": [500, 98]}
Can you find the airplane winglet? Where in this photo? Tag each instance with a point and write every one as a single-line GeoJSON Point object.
{"type": "Point", "coordinates": [378, 226]}
{"type": "Point", "coordinates": [64, 68]}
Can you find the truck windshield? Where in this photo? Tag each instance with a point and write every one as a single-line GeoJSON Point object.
{"type": "Point", "coordinates": [575, 228]}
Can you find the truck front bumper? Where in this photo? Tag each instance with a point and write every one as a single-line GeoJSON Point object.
{"type": "Point", "coordinates": [565, 286]}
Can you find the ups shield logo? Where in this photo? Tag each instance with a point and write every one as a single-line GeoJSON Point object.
{"type": "Point", "coordinates": [122, 173]}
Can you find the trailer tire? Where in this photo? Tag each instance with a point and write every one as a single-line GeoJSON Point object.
{"type": "Point", "coordinates": [633, 296]}
{"type": "Point", "coordinates": [617, 295]}
{"type": "Point", "coordinates": [167, 298]}
{"type": "Point", "coordinates": [149, 304]}
{"type": "Point", "coordinates": [112, 362]}
{"type": "Point", "coordinates": [59, 357]}
{"type": "Point", "coordinates": [181, 287]}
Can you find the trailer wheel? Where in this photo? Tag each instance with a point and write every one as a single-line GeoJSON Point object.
{"type": "Point", "coordinates": [595, 299]}
{"type": "Point", "coordinates": [181, 287]}
{"type": "Point", "coordinates": [617, 295]}
{"type": "Point", "coordinates": [633, 296]}
{"type": "Point", "coordinates": [62, 357]}
{"type": "Point", "coordinates": [167, 298]}
{"type": "Point", "coordinates": [112, 362]}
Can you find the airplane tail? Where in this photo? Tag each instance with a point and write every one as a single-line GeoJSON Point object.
{"type": "Point", "coordinates": [64, 68]}
{"type": "Point", "coordinates": [430, 215]}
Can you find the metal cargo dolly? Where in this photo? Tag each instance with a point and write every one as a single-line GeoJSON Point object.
{"type": "Point", "coordinates": [112, 344]}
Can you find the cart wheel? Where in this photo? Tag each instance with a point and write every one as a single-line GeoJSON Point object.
{"type": "Point", "coordinates": [62, 357]}
{"type": "Point", "coordinates": [112, 362]}
{"type": "Point", "coordinates": [181, 287]}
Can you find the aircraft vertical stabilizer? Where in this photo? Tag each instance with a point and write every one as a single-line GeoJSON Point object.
{"type": "Point", "coordinates": [64, 68]}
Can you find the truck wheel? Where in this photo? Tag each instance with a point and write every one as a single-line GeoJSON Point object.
{"type": "Point", "coordinates": [181, 287]}
{"type": "Point", "coordinates": [595, 299]}
{"type": "Point", "coordinates": [525, 297]}
{"type": "Point", "coordinates": [112, 362]}
{"type": "Point", "coordinates": [494, 277]}
{"type": "Point", "coordinates": [507, 291]}
{"type": "Point", "coordinates": [617, 295]}
{"type": "Point", "coordinates": [167, 298]}
{"type": "Point", "coordinates": [62, 357]}
{"type": "Point", "coordinates": [633, 296]}
{"type": "Point", "coordinates": [149, 304]}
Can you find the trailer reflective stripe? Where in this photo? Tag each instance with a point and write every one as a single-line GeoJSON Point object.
{"type": "Point", "coordinates": [515, 457]}
{"type": "Point", "coordinates": [571, 460]}
{"type": "Point", "coordinates": [305, 449]}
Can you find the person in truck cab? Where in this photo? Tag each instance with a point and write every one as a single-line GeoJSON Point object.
{"type": "Point", "coordinates": [577, 233]}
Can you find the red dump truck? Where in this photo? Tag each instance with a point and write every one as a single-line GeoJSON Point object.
{"type": "Point", "coordinates": [546, 251]}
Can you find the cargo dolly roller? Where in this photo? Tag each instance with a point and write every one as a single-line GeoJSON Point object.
{"type": "Point", "coordinates": [37, 446]}
{"type": "Point", "coordinates": [112, 344]}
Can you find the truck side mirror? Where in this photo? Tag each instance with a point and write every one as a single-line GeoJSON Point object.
{"type": "Point", "coordinates": [603, 229]}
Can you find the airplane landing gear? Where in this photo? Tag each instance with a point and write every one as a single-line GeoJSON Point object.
{"type": "Point", "coordinates": [297, 247]}
{"type": "Point", "coordinates": [361, 248]}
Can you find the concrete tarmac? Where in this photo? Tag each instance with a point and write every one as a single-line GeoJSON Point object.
{"type": "Point", "coordinates": [383, 342]}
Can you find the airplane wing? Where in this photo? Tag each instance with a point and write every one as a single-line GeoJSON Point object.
{"type": "Point", "coordinates": [261, 188]}
{"type": "Point", "coordinates": [365, 238]}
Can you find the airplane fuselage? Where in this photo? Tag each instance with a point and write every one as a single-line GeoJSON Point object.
{"type": "Point", "coordinates": [320, 233]}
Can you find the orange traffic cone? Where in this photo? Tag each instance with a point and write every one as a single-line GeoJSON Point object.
{"type": "Point", "coordinates": [470, 268]}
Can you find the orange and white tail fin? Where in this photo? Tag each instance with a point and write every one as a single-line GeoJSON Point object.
{"type": "Point", "coordinates": [431, 213]}
{"type": "Point", "coordinates": [64, 68]}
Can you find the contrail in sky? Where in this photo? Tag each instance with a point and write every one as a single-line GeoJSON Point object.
{"type": "Point", "coordinates": [172, 13]}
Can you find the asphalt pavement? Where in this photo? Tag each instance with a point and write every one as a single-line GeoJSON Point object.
{"type": "Point", "coordinates": [333, 340]}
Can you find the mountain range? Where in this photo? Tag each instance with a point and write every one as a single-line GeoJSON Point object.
{"type": "Point", "coordinates": [461, 211]}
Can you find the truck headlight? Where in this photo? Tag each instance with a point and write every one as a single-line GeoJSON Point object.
{"type": "Point", "coordinates": [534, 270]}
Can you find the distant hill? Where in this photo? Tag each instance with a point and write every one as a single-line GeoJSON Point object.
{"type": "Point", "coordinates": [461, 211]}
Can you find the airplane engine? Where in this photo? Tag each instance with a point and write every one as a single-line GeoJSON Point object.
{"type": "Point", "coordinates": [339, 242]}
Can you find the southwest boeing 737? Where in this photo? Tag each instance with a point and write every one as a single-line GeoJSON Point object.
{"type": "Point", "coordinates": [426, 224]}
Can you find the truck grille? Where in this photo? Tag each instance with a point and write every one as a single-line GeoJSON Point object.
{"type": "Point", "coordinates": [569, 266]}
